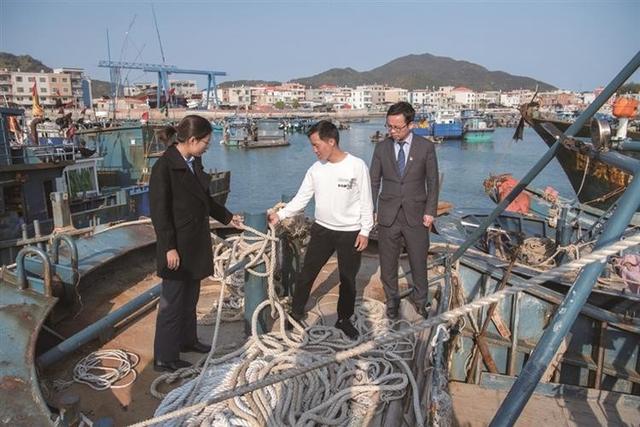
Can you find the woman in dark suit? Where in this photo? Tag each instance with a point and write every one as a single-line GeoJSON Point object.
{"type": "Point", "coordinates": [180, 211]}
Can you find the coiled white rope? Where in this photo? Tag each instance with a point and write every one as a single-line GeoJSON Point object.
{"type": "Point", "coordinates": [102, 369]}
{"type": "Point", "coordinates": [327, 397]}
{"type": "Point", "coordinates": [599, 255]}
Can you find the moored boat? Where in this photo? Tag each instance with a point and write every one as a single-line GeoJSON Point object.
{"type": "Point", "coordinates": [595, 182]}
{"type": "Point", "coordinates": [477, 130]}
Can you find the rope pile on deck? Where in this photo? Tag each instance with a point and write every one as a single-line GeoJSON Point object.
{"type": "Point", "coordinates": [353, 390]}
{"type": "Point", "coordinates": [381, 340]}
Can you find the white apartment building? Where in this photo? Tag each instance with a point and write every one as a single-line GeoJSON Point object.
{"type": "Point", "coordinates": [510, 99]}
{"type": "Point", "coordinates": [419, 97]}
{"type": "Point", "coordinates": [465, 97]}
{"type": "Point", "coordinates": [365, 97]}
{"type": "Point", "coordinates": [289, 92]}
{"type": "Point", "coordinates": [50, 87]}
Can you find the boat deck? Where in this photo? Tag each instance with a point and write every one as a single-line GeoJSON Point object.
{"type": "Point", "coordinates": [135, 403]}
{"type": "Point", "coordinates": [473, 405]}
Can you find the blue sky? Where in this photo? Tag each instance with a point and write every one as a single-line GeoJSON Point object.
{"type": "Point", "coordinates": [575, 45]}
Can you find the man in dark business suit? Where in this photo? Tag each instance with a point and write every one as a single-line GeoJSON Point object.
{"type": "Point", "coordinates": [407, 168]}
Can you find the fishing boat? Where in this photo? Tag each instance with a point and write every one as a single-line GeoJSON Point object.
{"type": "Point", "coordinates": [595, 182]}
{"type": "Point", "coordinates": [259, 133]}
{"type": "Point", "coordinates": [237, 132]}
{"type": "Point", "coordinates": [477, 130]}
{"type": "Point", "coordinates": [446, 124]}
{"type": "Point", "coordinates": [267, 133]}
{"type": "Point", "coordinates": [101, 174]}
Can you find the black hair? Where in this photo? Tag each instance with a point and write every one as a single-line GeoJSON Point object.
{"type": "Point", "coordinates": [403, 108]}
{"type": "Point", "coordinates": [191, 125]}
{"type": "Point", "coordinates": [326, 131]}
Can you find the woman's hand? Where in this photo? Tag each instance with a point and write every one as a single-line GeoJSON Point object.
{"type": "Point", "coordinates": [173, 259]}
{"type": "Point", "coordinates": [236, 221]}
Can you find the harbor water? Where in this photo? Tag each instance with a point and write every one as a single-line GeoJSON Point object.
{"type": "Point", "coordinates": [260, 177]}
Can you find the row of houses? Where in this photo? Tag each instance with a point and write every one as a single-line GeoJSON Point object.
{"type": "Point", "coordinates": [372, 97]}
{"type": "Point", "coordinates": [71, 87]}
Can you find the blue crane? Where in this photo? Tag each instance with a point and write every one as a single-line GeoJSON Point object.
{"type": "Point", "coordinates": [163, 71]}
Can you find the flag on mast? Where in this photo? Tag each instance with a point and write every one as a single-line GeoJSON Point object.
{"type": "Point", "coordinates": [37, 109]}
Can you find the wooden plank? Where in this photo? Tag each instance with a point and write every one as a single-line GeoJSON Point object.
{"type": "Point", "coordinates": [500, 325]}
{"type": "Point", "coordinates": [486, 355]}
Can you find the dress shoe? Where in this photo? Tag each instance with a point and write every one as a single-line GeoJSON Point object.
{"type": "Point", "coordinates": [172, 366]}
{"type": "Point", "coordinates": [392, 310]}
{"type": "Point", "coordinates": [196, 347]}
{"type": "Point", "coordinates": [347, 327]}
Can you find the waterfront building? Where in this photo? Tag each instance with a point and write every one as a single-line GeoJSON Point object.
{"type": "Point", "coordinates": [367, 96]}
{"type": "Point", "coordinates": [465, 97]}
{"type": "Point", "coordinates": [6, 92]}
{"type": "Point", "coordinates": [395, 94]}
{"type": "Point", "coordinates": [76, 75]}
{"type": "Point", "coordinates": [186, 88]}
{"type": "Point", "coordinates": [488, 98]}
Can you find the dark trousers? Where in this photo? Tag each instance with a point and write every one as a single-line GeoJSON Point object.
{"type": "Point", "coordinates": [390, 241]}
{"type": "Point", "coordinates": [323, 244]}
{"type": "Point", "coordinates": [176, 322]}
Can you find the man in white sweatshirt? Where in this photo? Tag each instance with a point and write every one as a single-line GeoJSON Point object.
{"type": "Point", "coordinates": [341, 186]}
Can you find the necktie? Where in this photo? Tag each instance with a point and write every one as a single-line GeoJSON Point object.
{"type": "Point", "coordinates": [401, 158]}
{"type": "Point", "coordinates": [190, 164]}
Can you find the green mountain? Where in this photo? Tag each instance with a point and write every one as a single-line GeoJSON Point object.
{"type": "Point", "coordinates": [23, 62]}
{"type": "Point", "coordinates": [100, 88]}
{"type": "Point", "coordinates": [421, 71]}
{"type": "Point", "coordinates": [409, 72]}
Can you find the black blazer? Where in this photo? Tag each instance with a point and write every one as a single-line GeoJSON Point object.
{"type": "Point", "coordinates": [416, 191]}
{"type": "Point", "coordinates": [180, 210]}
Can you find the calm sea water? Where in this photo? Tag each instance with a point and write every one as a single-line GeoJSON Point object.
{"type": "Point", "coordinates": [260, 177]}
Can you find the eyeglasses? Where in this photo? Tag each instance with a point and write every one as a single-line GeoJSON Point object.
{"type": "Point", "coordinates": [395, 128]}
